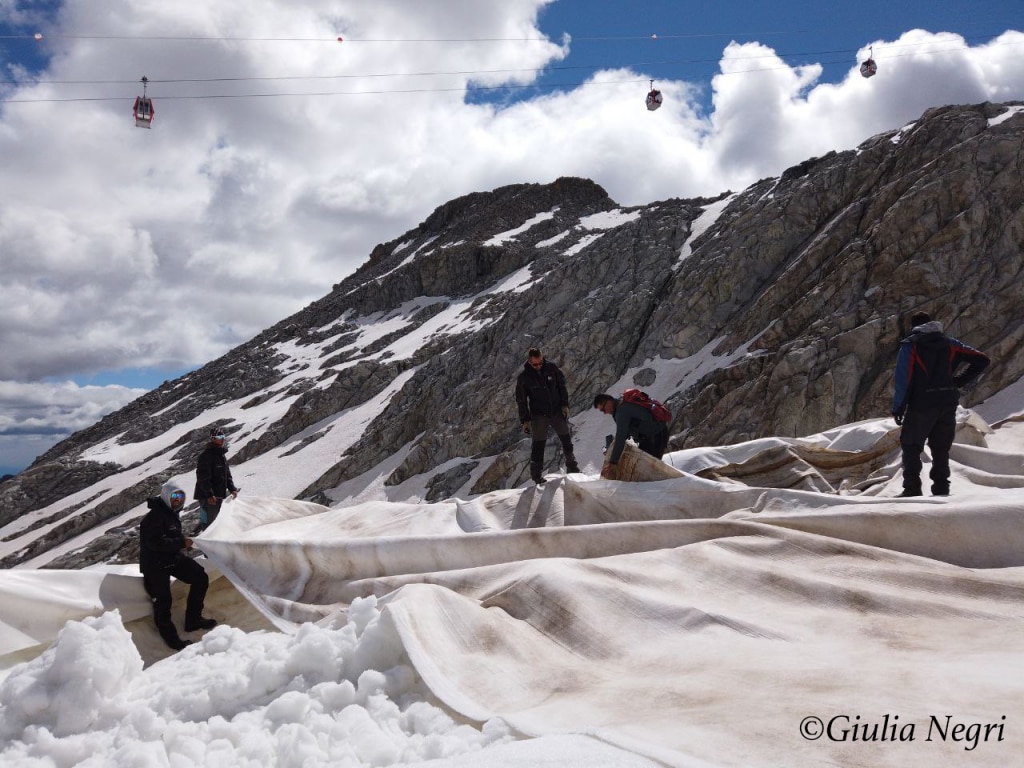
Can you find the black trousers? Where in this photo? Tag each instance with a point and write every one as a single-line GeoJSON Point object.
{"type": "Point", "coordinates": [158, 587]}
{"type": "Point", "coordinates": [654, 444]}
{"type": "Point", "coordinates": [936, 426]}
{"type": "Point", "coordinates": [539, 430]}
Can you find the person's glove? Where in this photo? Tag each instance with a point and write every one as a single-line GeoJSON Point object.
{"type": "Point", "coordinates": [898, 418]}
{"type": "Point", "coordinates": [565, 411]}
{"type": "Point", "coordinates": [526, 427]}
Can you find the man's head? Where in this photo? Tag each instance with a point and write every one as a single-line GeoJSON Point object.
{"type": "Point", "coordinates": [217, 436]}
{"type": "Point", "coordinates": [173, 495]}
{"type": "Point", "coordinates": [535, 358]}
{"type": "Point", "coordinates": [919, 318]}
{"type": "Point", "coordinates": [605, 403]}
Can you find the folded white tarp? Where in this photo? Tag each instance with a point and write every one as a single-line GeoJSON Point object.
{"type": "Point", "coordinates": [36, 604]}
{"type": "Point", "coordinates": [693, 620]}
{"type": "Point", "coordinates": [726, 640]}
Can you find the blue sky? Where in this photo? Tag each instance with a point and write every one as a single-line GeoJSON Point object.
{"type": "Point", "coordinates": [132, 256]}
{"type": "Point", "coordinates": [691, 36]}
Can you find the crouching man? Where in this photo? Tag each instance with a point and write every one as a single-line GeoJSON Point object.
{"type": "Point", "coordinates": [162, 554]}
{"type": "Point", "coordinates": [633, 421]}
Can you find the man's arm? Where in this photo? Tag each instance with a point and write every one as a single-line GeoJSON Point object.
{"type": "Point", "coordinates": [563, 390]}
{"type": "Point", "coordinates": [204, 477]}
{"type": "Point", "coordinates": [621, 433]}
{"type": "Point", "coordinates": [157, 538]}
{"type": "Point", "coordinates": [902, 380]}
{"type": "Point", "coordinates": [975, 361]}
{"type": "Point", "coordinates": [524, 411]}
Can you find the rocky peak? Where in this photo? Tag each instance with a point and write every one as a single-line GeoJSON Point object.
{"type": "Point", "coordinates": [773, 311]}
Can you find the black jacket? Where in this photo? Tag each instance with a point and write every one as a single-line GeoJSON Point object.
{"type": "Point", "coordinates": [161, 541]}
{"type": "Point", "coordinates": [932, 367]}
{"type": "Point", "coordinates": [540, 393]}
{"type": "Point", "coordinates": [213, 476]}
{"type": "Point", "coordinates": [632, 420]}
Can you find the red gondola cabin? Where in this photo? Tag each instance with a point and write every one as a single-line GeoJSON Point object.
{"type": "Point", "coordinates": [143, 112]}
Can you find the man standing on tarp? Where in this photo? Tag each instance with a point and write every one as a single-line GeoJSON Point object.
{"type": "Point", "coordinates": [543, 401]}
{"type": "Point", "coordinates": [213, 478]}
{"type": "Point", "coordinates": [931, 368]}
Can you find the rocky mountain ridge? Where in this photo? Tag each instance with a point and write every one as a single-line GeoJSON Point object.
{"type": "Point", "coordinates": [773, 311]}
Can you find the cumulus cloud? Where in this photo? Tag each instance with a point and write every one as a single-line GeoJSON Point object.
{"type": "Point", "coordinates": [164, 248]}
{"type": "Point", "coordinates": [35, 416]}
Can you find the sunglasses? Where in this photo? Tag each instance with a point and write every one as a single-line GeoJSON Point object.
{"type": "Point", "coordinates": [177, 495]}
{"type": "Point", "coordinates": [219, 437]}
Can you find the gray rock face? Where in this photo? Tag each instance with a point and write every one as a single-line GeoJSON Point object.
{"type": "Point", "coordinates": [927, 218]}
{"type": "Point", "coordinates": [794, 293]}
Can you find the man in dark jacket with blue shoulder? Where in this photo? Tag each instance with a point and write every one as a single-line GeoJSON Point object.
{"type": "Point", "coordinates": [162, 554]}
{"type": "Point", "coordinates": [931, 368]}
{"type": "Point", "coordinates": [543, 401]}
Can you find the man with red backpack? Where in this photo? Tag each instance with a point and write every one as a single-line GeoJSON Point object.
{"type": "Point", "coordinates": [931, 368]}
{"type": "Point", "coordinates": [636, 419]}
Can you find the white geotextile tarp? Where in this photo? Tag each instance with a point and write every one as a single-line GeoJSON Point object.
{"type": "Point", "coordinates": [717, 652]}
{"type": "Point", "coordinates": [692, 621]}
{"type": "Point", "coordinates": [698, 622]}
{"type": "Point", "coordinates": [36, 604]}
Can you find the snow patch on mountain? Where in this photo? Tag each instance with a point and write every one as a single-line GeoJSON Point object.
{"type": "Point", "coordinates": [608, 219]}
{"type": "Point", "coordinates": [701, 225]}
{"type": "Point", "coordinates": [503, 237]}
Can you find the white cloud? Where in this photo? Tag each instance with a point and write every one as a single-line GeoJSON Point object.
{"type": "Point", "coordinates": [35, 416]}
{"type": "Point", "coordinates": [776, 115]}
{"type": "Point", "coordinates": [132, 248]}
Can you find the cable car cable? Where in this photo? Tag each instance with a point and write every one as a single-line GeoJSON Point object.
{"type": "Point", "coordinates": [468, 88]}
{"type": "Point", "coordinates": [555, 68]}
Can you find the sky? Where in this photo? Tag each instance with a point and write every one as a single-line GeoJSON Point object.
{"type": "Point", "coordinates": [288, 141]}
{"type": "Point", "coordinates": [560, 646]}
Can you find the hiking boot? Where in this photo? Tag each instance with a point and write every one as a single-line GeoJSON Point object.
{"type": "Point", "coordinates": [173, 641]}
{"type": "Point", "coordinates": [908, 492]}
{"type": "Point", "coordinates": [940, 490]}
{"type": "Point", "coordinates": [191, 625]}
{"type": "Point", "coordinates": [536, 472]}
{"type": "Point", "coordinates": [570, 464]}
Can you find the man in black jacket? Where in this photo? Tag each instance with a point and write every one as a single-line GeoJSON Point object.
{"type": "Point", "coordinates": [213, 478]}
{"type": "Point", "coordinates": [543, 401]}
{"type": "Point", "coordinates": [162, 554]}
{"type": "Point", "coordinates": [931, 368]}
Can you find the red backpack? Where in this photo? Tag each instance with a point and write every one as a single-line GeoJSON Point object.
{"type": "Point", "coordinates": [638, 397]}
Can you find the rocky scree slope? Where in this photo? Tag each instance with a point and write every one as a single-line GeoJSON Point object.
{"type": "Point", "coordinates": [774, 311]}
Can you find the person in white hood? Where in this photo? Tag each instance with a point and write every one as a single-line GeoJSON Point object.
{"type": "Point", "coordinates": [163, 554]}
